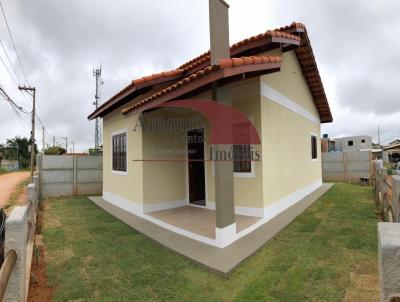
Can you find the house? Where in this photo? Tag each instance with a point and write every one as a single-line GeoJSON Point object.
{"type": "Point", "coordinates": [391, 152]}
{"type": "Point", "coordinates": [170, 175]}
{"type": "Point", "coordinates": [327, 144]}
{"type": "Point", "coordinates": [353, 143]}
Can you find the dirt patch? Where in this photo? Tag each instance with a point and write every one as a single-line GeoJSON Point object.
{"type": "Point", "coordinates": [363, 287]}
{"type": "Point", "coordinates": [39, 290]}
{"type": "Point", "coordinates": [8, 184]}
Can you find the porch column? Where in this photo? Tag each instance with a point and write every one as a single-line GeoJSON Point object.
{"type": "Point", "coordinates": [224, 186]}
{"type": "Point", "coordinates": [224, 190]}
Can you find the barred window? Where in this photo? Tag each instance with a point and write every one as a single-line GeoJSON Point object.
{"type": "Point", "coordinates": [242, 156]}
{"type": "Point", "coordinates": [119, 152]}
{"type": "Point", "coordinates": [242, 153]}
{"type": "Point", "coordinates": [314, 154]}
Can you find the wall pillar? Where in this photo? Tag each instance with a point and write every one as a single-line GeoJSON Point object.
{"type": "Point", "coordinates": [396, 197]}
{"type": "Point", "coordinates": [16, 238]}
{"type": "Point", "coordinates": [389, 260]}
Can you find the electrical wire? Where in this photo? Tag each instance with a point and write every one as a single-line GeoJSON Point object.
{"type": "Point", "coordinates": [13, 43]}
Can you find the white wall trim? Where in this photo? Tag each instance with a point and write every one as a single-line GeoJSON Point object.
{"type": "Point", "coordinates": [225, 236]}
{"type": "Point", "coordinates": [281, 205]}
{"type": "Point", "coordinates": [286, 202]}
{"type": "Point", "coordinates": [147, 208]}
{"type": "Point", "coordinates": [123, 203]}
{"type": "Point", "coordinates": [115, 172]}
{"type": "Point", "coordinates": [275, 96]}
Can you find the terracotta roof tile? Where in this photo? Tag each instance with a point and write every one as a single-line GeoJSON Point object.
{"type": "Point", "coordinates": [206, 56]}
{"type": "Point", "coordinates": [222, 64]}
{"type": "Point", "coordinates": [150, 78]}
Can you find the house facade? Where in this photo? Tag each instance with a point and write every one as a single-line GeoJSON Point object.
{"type": "Point", "coordinates": [353, 143]}
{"type": "Point", "coordinates": [160, 159]}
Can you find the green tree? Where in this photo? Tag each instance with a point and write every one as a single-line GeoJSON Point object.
{"type": "Point", "coordinates": [56, 150]}
{"type": "Point", "coordinates": [17, 148]}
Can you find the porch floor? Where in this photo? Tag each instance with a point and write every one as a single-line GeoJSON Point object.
{"type": "Point", "coordinates": [198, 220]}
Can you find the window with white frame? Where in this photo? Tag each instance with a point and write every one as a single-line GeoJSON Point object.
{"type": "Point", "coordinates": [119, 152]}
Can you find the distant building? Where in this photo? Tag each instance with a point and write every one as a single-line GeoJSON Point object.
{"type": "Point", "coordinates": [327, 144]}
{"type": "Point", "coordinates": [353, 143]}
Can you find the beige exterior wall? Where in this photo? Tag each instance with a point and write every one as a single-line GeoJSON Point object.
{"type": "Point", "coordinates": [164, 168]}
{"type": "Point", "coordinates": [286, 135]}
{"type": "Point", "coordinates": [129, 186]}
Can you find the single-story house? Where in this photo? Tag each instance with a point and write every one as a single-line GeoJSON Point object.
{"type": "Point", "coordinates": [168, 176]}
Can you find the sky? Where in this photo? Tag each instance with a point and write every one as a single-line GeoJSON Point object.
{"type": "Point", "coordinates": [60, 42]}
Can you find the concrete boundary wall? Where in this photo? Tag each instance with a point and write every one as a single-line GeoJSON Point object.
{"type": "Point", "coordinates": [63, 175]}
{"type": "Point", "coordinates": [19, 238]}
{"type": "Point", "coordinates": [346, 166]}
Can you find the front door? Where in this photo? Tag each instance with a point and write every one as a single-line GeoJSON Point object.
{"type": "Point", "coordinates": [197, 194]}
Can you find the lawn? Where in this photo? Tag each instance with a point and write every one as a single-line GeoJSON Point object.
{"type": "Point", "coordinates": [329, 253]}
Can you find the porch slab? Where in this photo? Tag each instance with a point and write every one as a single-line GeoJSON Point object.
{"type": "Point", "coordinates": [221, 260]}
{"type": "Point", "coordinates": [197, 220]}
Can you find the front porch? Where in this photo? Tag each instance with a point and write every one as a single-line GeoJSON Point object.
{"type": "Point", "coordinates": [166, 228]}
{"type": "Point", "coordinates": [198, 220]}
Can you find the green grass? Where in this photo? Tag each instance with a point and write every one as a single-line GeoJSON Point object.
{"type": "Point", "coordinates": [328, 253]}
{"type": "Point", "coordinates": [3, 171]}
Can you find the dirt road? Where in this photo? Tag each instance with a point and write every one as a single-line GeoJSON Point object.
{"type": "Point", "coordinates": [8, 183]}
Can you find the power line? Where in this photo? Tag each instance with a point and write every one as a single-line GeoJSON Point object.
{"type": "Point", "coordinates": [11, 64]}
{"type": "Point", "coordinates": [12, 40]}
{"type": "Point", "coordinates": [8, 71]}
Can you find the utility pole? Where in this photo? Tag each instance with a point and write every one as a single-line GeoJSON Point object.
{"type": "Point", "coordinates": [54, 141]}
{"type": "Point", "coordinates": [66, 143]}
{"type": "Point", "coordinates": [379, 137]}
{"type": "Point", "coordinates": [43, 139]}
{"type": "Point", "coordinates": [32, 92]}
{"type": "Point", "coordinates": [96, 103]}
{"type": "Point", "coordinates": [73, 147]}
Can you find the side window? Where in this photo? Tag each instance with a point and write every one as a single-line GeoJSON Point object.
{"type": "Point", "coordinates": [119, 152]}
{"type": "Point", "coordinates": [314, 154]}
{"type": "Point", "coordinates": [242, 163]}
{"type": "Point", "coordinates": [350, 143]}
{"type": "Point", "coordinates": [242, 153]}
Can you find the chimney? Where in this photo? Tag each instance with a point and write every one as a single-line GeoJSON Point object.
{"type": "Point", "coordinates": [219, 30]}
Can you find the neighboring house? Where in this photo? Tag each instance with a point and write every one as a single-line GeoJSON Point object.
{"type": "Point", "coordinates": [327, 144]}
{"type": "Point", "coordinates": [391, 153]}
{"type": "Point", "coordinates": [395, 142]}
{"type": "Point", "coordinates": [353, 143]}
{"type": "Point", "coordinates": [274, 81]}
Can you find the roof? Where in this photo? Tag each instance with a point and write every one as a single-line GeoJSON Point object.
{"type": "Point", "coordinates": [291, 37]}
{"type": "Point", "coordinates": [225, 68]}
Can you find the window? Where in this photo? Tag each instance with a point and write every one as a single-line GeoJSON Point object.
{"type": "Point", "coordinates": [242, 153]}
{"type": "Point", "coordinates": [363, 141]}
{"type": "Point", "coordinates": [350, 143]}
{"type": "Point", "coordinates": [119, 152]}
{"type": "Point", "coordinates": [242, 158]}
{"type": "Point", "coordinates": [314, 147]}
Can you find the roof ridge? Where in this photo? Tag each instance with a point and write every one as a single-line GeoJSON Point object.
{"type": "Point", "coordinates": [222, 63]}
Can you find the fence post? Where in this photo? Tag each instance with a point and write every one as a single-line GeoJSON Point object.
{"type": "Point", "coordinates": [345, 165]}
{"type": "Point", "coordinates": [396, 197]}
{"type": "Point", "coordinates": [16, 238]}
{"type": "Point", "coordinates": [75, 175]}
{"type": "Point", "coordinates": [388, 256]}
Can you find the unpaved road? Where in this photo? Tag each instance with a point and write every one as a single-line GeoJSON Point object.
{"type": "Point", "coordinates": [8, 183]}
